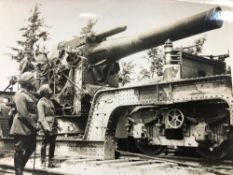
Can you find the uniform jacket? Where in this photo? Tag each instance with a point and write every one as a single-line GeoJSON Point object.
{"type": "Point", "coordinates": [26, 66]}
{"type": "Point", "coordinates": [47, 118]}
{"type": "Point", "coordinates": [25, 120]}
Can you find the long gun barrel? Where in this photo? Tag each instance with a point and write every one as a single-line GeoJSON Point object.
{"type": "Point", "coordinates": [103, 35]}
{"type": "Point", "coordinates": [113, 50]}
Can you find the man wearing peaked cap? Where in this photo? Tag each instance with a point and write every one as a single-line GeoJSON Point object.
{"type": "Point", "coordinates": [49, 124]}
{"type": "Point", "coordinates": [26, 79]}
{"type": "Point", "coordinates": [24, 126]}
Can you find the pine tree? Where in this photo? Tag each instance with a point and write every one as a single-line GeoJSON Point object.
{"type": "Point", "coordinates": [34, 36]}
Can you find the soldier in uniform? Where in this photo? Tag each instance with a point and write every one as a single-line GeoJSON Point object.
{"type": "Point", "coordinates": [26, 64]}
{"type": "Point", "coordinates": [24, 126]}
{"type": "Point", "coordinates": [48, 124]}
{"type": "Point", "coordinates": [42, 68]}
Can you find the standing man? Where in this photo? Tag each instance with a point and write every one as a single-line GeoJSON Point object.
{"type": "Point", "coordinates": [26, 64]}
{"type": "Point", "coordinates": [48, 123]}
{"type": "Point", "coordinates": [24, 126]}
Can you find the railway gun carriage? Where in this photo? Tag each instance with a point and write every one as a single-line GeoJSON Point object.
{"type": "Point", "coordinates": [189, 105]}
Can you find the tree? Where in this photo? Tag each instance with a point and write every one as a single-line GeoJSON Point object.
{"type": "Point", "coordinates": [126, 72]}
{"type": "Point", "coordinates": [155, 59]}
{"type": "Point", "coordinates": [88, 28]}
{"type": "Point", "coordinates": [34, 36]}
{"type": "Point", "coordinates": [144, 74]}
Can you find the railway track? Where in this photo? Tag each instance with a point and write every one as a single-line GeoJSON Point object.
{"type": "Point", "coordinates": [128, 163]}
{"type": "Point", "coordinates": [217, 167]}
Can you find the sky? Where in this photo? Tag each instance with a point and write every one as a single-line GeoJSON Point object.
{"type": "Point", "coordinates": [65, 18]}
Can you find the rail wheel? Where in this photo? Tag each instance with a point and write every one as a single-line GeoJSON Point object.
{"type": "Point", "coordinates": [225, 150]}
{"type": "Point", "coordinates": [145, 148]}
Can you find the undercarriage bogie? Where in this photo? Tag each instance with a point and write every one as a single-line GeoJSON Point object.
{"type": "Point", "coordinates": [191, 124]}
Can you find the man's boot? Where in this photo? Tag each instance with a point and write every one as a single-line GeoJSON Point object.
{"type": "Point", "coordinates": [51, 152]}
{"type": "Point", "coordinates": [18, 163]}
{"type": "Point", "coordinates": [51, 163]}
{"type": "Point", "coordinates": [43, 156]}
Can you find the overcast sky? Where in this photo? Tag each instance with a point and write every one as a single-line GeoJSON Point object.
{"type": "Point", "coordinates": [66, 17]}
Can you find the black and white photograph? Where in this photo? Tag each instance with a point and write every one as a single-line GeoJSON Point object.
{"type": "Point", "coordinates": [118, 87]}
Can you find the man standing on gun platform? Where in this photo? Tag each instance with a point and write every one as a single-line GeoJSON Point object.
{"type": "Point", "coordinates": [24, 126]}
{"type": "Point", "coordinates": [48, 124]}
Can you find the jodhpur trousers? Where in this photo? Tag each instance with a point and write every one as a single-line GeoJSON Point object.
{"type": "Point", "coordinates": [24, 147]}
{"type": "Point", "coordinates": [51, 141]}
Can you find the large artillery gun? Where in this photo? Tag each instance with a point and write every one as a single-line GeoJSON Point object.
{"type": "Point", "coordinates": [102, 53]}
{"type": "Point", "coordinates": [191, 105]}
{"type": "Point", "coordinates": [100, 56]}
